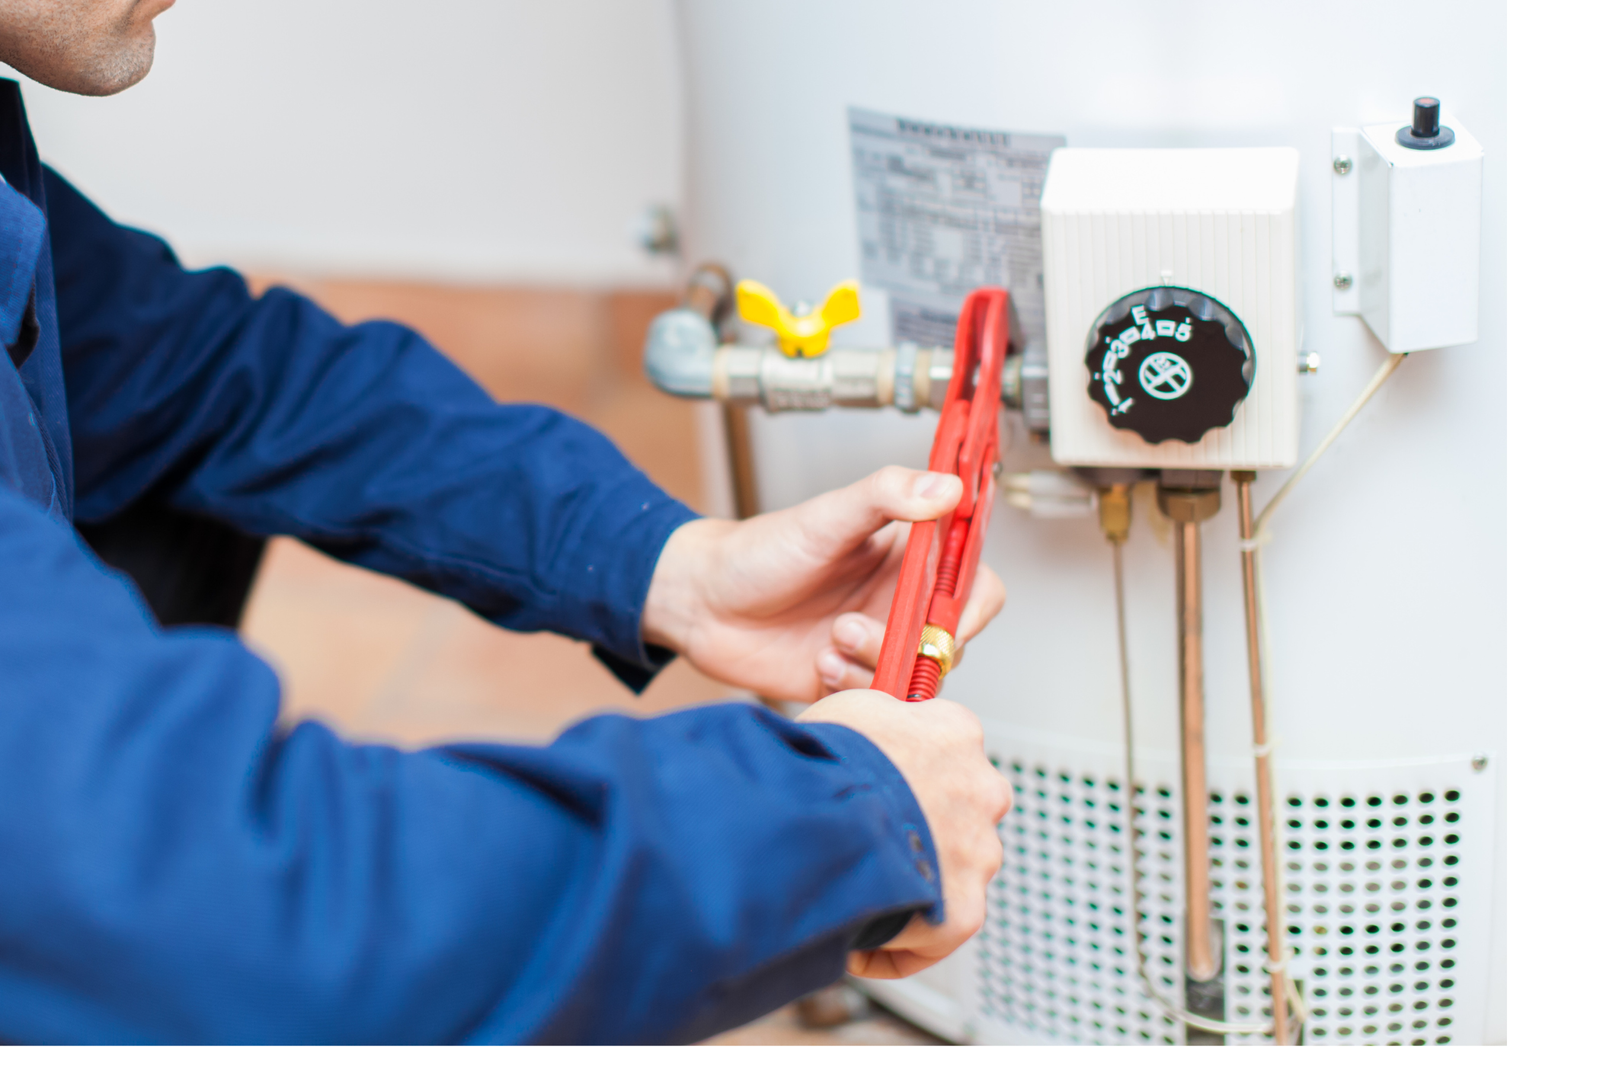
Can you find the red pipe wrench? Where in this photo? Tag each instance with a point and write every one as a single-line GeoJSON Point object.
{"type": "Point", "coordinates": [941, 557]}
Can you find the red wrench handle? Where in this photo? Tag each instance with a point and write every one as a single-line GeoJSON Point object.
{"type": "Point", "coordinates": [941, 559]}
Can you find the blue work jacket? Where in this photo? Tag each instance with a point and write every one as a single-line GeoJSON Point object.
{"type": "Point", "coordinates": [175, 866]}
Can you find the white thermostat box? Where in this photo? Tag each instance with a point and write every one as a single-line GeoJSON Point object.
{"type": "Point", "coordinates": [1406, 230]}
{"type": "Point", "coordinates": [1220, 221]}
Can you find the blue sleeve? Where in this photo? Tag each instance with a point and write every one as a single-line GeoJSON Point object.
{"type": "Point", "coordinates": [176, 870]}
{"type": "Point", "coordinates": [363, 441]}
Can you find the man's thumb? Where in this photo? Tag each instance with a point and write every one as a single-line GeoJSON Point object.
{"type": "Point", "coordinates": [850, 515]}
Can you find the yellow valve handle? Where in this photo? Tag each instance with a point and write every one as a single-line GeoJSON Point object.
{"type": "Point", "coordinates": [799, 335]}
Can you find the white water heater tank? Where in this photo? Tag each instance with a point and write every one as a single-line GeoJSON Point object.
{"type": "Point", "coordinates": [1385, 580]}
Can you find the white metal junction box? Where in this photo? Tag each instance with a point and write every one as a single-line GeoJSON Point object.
{"type": "Point", "coordinates": [1406, 234]}
{"type": "Point", "coordinates": [1221, 221]}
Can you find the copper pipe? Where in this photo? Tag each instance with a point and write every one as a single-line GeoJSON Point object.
{"type": "Point", "coordinates": [741, 462]}
{"type": "Point", "coordinates": [1202, 960]}
{"type": "Point", "coordinates": [1199, 1028]}
{"type": "Point", "coordinates": [709, 292]}
{"type": "Point", "coordinates": [1266, 819]}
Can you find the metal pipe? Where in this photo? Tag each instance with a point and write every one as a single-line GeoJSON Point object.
{"type": "Point", "coordinates": [741, 460]}
{"type": "Point", "coordinates": [709, 294]}
{"type": "Point", "coordinates": [1266, 814]}
{"type": "Point", "coordinates": [686, 356]}
{"type": "Point", "coordinates": [1188, 498]}
{"type": "Point", "coordinates": [1203, 1009]}
{"type": "Point", "coordinates": [680, 353]}
{"type": "Point", "coordinates": [1201, 959]}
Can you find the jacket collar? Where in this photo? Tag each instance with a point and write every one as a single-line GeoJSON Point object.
{"type": "Point", "coordinates": [22, 231]}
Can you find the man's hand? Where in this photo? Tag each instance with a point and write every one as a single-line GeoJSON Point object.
{"type": "Point", "coordinates": [792, 604]}
{"type": "Point", "coordinates": [937, 746]}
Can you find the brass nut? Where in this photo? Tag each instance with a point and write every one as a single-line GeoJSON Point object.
{"type": "Point", "coordinates": [1116, 512]}
{"type": "Point", "coordinates": [939, 646]}
{"type": "Point", "coordinates": [1188, 505]}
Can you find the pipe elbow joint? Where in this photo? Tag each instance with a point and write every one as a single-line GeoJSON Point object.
{"type": "Point", "coordinates": [680, 353]}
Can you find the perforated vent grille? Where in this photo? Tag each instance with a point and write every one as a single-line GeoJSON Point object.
{"type": "Point", "coordinates": [1371, 903]}
{"type": "Point", "coordinates": [1054, 957]}
{"type": "Point", "coordinates": [1375, 901]}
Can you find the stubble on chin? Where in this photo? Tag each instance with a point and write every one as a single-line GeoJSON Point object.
{"type": "Point", "coordinates": [68, 54]}
{"type": "Point", "coordinates": [115, 65]}
{"type": "Point", "coordinates": [121, 68]}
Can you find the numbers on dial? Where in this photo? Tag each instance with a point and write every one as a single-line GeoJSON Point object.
{"type": "Point", "coordinates": [1169, 363]}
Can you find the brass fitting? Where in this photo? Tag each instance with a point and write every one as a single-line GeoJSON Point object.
{"type": "Point", "coordinates": [1116, 512]}
{"type": "Point", "coordinates": [939, 646]}
{"type": "Point", "coordinates": [1189, 505]}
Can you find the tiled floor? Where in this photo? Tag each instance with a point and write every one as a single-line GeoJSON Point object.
{"type": "Point", "coordinates": [380, 660]}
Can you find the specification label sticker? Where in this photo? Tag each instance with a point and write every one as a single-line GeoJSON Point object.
{"type": "Point", "coordinates": [944, 209]}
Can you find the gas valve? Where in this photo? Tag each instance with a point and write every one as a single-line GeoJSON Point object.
{"type": "Point", "coordinates": [691, 353]}
{"type": "Point", "coordinates": [802, 331]}
{"type": "Point", "coordinates": [1169, 364]}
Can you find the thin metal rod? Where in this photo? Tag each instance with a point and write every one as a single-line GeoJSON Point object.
{"type": "Point", "coordinates": [1201, 955]}
{"type": "Point", "coordinates": [1266, 805]}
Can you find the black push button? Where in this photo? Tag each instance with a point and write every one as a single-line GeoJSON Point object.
{"type": "Point", "coordinates": [1425, 133]}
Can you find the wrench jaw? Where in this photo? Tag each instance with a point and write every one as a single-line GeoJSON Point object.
{"type": "Point", "coordinates": [941, 560]}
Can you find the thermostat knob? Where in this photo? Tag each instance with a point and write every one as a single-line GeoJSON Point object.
{"type": "Point", "coordinates": [1169, 364]}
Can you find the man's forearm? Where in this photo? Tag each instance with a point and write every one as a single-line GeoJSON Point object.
{"type": "Point", "coordinates": [180, 871]}
{"type": "Point", "coordinates": [363, 440]}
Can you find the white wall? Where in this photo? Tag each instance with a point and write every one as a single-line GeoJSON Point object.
{"type": "Point", "coordinates": [490, 140]}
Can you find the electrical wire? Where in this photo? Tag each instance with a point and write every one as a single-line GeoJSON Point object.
{"type": "Point", "coordinates": [1388, 368]}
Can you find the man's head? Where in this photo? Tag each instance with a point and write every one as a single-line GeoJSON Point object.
{"type": "Point", "coordinates": [91, 47]}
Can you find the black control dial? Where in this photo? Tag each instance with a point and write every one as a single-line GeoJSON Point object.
{"type": "Point", "coordinates": [1169, 364]}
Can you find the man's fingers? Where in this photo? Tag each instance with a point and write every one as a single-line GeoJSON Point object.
{"type": "Point", "coordinates": [838, 672]}
{"type": "Point", "coordinates": [983, 604]}
{"type": "Point", "coordinates": [859, 636]}
{"type": "Point", "coordinates": [886, 963]}
{"type": "Point", "coordinates": [837, 522]}
{"type": "Point", "coordinates": [938, 747]}
{"type": "Point", "coordinates": [921, 944]}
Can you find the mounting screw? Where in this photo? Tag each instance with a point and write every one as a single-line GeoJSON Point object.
{"type": "Point", "coordinates": [1343, 281]}
{"type": "Point", "coordinates": [1342, 165]}
{"type": "Point", "coordinates": [1309, 362]}
{"type": "Point", "coordinates": [656, 230]}
{"type": "Point", "coordinates": [1479, 762]}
